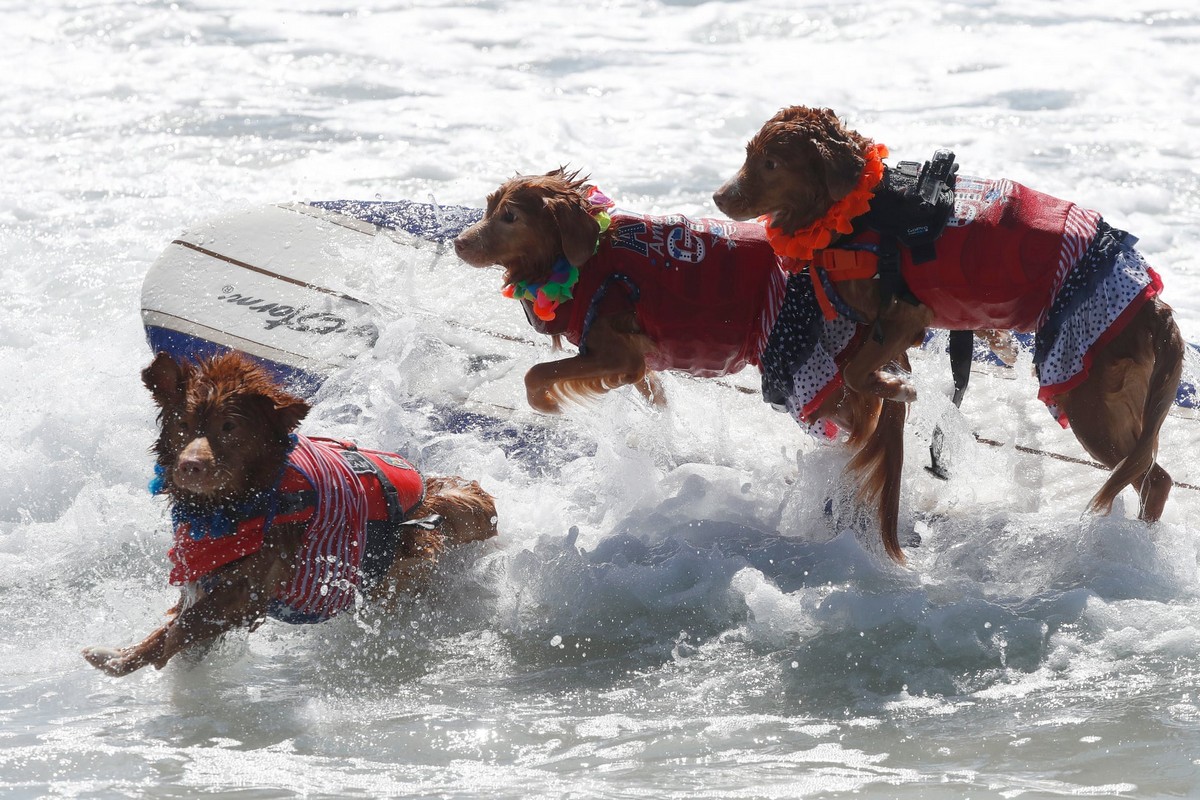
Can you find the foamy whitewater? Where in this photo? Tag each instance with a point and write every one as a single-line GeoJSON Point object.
{"type": "Point", "coordinates": [668, 611]}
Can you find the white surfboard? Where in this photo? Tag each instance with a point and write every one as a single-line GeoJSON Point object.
{"type": "Point", "coordinates": [268, 282]}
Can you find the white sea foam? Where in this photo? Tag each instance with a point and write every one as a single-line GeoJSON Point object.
{"type": "Point", "coordinates": [668, 612]}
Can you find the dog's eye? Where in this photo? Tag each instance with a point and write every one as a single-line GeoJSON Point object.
{"type": "Point", "coordinates": [769, 164]}
{"type": "Point", "coordinates": [508, 216]}
{"type": "Point", "coordinates": [228, 426]}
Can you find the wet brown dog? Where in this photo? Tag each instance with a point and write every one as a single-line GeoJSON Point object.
{"type": "Point", "coordinates": [268, 523]}
{"type": "Point", "coordinates": [657, 293]}
{"type": "Point", "coordinates": [1011, 258]}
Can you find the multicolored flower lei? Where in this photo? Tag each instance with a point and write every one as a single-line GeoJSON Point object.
{"type": "Point", "coordinates": [549, 294]}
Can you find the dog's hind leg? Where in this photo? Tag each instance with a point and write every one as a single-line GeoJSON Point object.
{"type": "Point", "coordinates": [877, 466]}
{"type": "Point", "coordinates": [454, 511]}
{"type": "Point", "coordinates": [876, 431]}
{"type": "Point", "coordinates": [468, 512]}
{"type": "Point", "coordinates": [1117, 412]}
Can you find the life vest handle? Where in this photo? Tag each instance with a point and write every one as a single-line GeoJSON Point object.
{"type": "Point", "coordinates": [839, 264]}
{"type": "Point", "coordinates": [845, 264]}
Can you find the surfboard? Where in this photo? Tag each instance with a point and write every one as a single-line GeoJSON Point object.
{"type": "Point", "coordinates": [273, 282]}
{"type": "Point", "coordinates": [270, 282]}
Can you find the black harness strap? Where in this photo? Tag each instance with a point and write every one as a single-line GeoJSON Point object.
{"type": "Point", "coordinates": [961, 349]}
{"type": "Point", "coordinates": [361, 465]}
{"type": "Point", "coordinates": [891, 282]}
{"type": "Point", "coordinates": [910, 210]}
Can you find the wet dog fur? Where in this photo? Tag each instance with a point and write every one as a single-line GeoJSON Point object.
{"type": "Point", "coordinates": [224, 427]}
{"type": "Point", "coordinates": [803, 160]}
{"type": "Point", "coordinates": [532, 220]}
{"type": "Point", "coordinates": [529, 222]}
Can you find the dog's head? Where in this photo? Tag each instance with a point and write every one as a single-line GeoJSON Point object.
{"type": "Point", "coordinates": [800, 163]}
{"type": "Point", "coordinates": [530, 221]}
{"type": "Point", "coordinates": [224, 426]}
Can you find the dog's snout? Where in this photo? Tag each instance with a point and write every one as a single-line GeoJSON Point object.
{"type": "Point", "coordinates": [195, 464]}
{"type": "Point", "coordinates": [470, 247]}
{"type": "Point", "coordinates": [192, 467]}
{"type": "Point", "coordinates": [724, 197]}
{"type": "Point", "coordinates": [465, 246]}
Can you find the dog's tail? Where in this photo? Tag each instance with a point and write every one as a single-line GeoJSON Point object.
{"type": "Point", "coordinates": [878, 465]}
{"type": "Point", "coordinates": [876, 429]}
{"type": "Point", "coordinates": [1160, 396]}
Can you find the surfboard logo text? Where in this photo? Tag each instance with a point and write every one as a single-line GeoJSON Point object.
{"type": "Point", "coordinates": [297, 318]}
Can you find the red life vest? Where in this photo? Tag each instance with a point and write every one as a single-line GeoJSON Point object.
{"type": "Point", "coordinates": [1001, 259]}
{"type": "Point", "coordinates": [334, 486]}
{"type": "Point", "coordinates": [706, 292]}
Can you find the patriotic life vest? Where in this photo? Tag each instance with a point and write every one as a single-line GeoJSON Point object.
{"type": "Point", "coordinates": [353, 501]}
{"type": "Point", "coordinates": [705, 291]}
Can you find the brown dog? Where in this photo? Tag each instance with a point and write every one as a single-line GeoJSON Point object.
{"type": "Point", "coordinates": [269, 523]}
{"type": "Point", "coordinates": [637, 293]}
{"type": "Point", "coordinates": [1010, 258]}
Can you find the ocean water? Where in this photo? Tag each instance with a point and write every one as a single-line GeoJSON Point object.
{"type": "Point", "coordinates": [668, 612]}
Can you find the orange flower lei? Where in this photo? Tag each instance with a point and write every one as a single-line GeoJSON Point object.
{"type": "Point", "coordinates": [838, 219]}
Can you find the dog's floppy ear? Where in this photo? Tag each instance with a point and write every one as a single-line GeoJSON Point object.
{"type": "Point", "coordinates": [288, 411]}
{"type": "Point", "coordinates": [843, 167]}
{"type": "Point", "coordinates": [576, 227]}
{"type": "Point", "coordinates": [840, 156]}
{"type": "Point", "coordinates": [166, 379]}
{"type": "Point", "coordinates": [280, 411]}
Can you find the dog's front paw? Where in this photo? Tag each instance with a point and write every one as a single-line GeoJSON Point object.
{"type": "Point", "coordinates": [112, 662]}
{"type": "Point", "coordinates": [896, 387]}
{"type": "Point", "coordinates": [651, 388]}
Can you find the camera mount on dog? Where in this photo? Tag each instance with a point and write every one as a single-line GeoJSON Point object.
{"type": "Point", "coordinates": [914, 203]}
